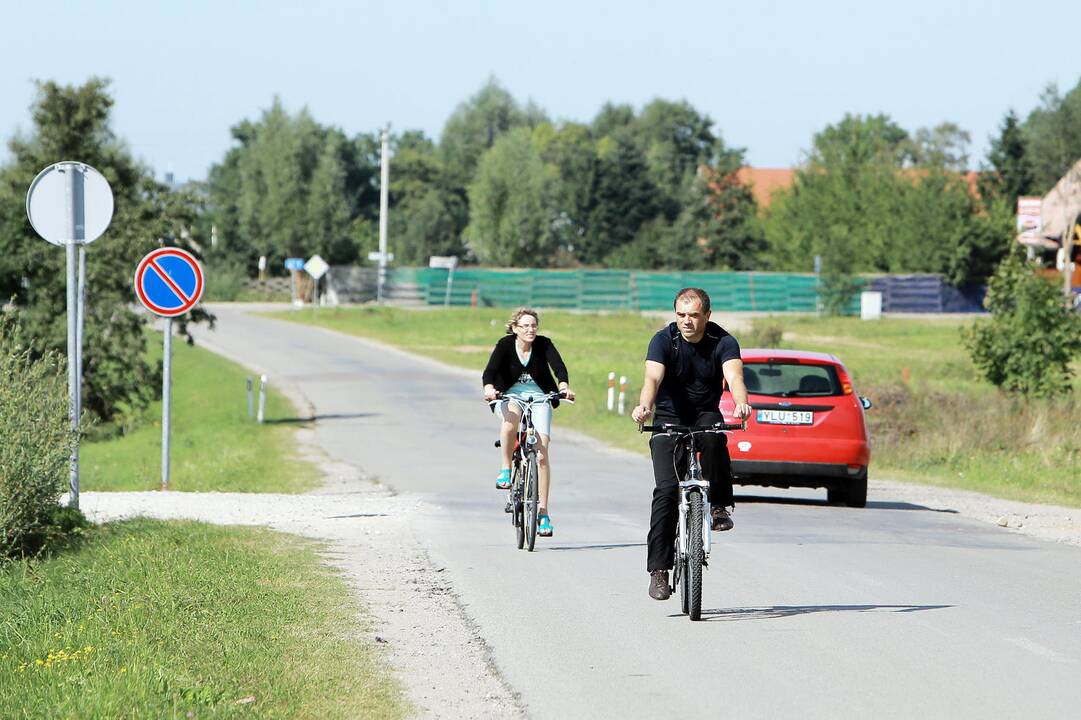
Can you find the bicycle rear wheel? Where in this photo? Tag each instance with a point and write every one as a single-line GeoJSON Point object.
{"type": "Point", "coordinates": [695, 556]}
{"type": "Point", "coordinates": [516, 504]}
{"type": "Point", "coordinates": [531, 502]}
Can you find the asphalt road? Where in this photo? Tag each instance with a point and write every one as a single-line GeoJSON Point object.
{"type": "Point", "coordinates": [810, 610]}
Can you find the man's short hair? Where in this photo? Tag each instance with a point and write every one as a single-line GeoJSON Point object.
{"type": "Point", "coordinates": [701, 294]}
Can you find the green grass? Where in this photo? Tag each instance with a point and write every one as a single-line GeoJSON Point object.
{"type": "Point", "coordinates": [213, 443]}
{"type": "Point", "coordinates": [178, 620]}
{"type": "Point", "coordinates": [945, 425]}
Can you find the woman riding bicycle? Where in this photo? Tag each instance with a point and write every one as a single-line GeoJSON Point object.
{"type": "Point", "coordinates": [522, 363]}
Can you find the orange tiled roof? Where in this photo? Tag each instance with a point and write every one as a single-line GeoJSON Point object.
{"type": "Point", "coordinates": [765, 181]}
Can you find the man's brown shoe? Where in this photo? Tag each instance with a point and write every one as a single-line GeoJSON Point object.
{"type": "Point", "coordinates": [658, 585]}
{"type": "Point", "coordinates": [721, 520]}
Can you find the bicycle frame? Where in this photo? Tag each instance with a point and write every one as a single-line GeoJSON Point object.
{"type": "Point", "coordinates": [526, 431]}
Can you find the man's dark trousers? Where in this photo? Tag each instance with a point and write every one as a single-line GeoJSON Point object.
{"type": "Point", "coordinates": [716, 468]}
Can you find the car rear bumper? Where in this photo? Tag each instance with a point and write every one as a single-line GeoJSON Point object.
{"type": "Point", "coordinates": [795, 474]}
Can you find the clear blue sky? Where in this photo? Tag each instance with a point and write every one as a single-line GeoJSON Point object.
{"type": "Point", "coordinates": [768, 73]}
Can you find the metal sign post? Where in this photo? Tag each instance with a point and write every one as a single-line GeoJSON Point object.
{"type": "Point", "coordinates": [70, 205]}
{"type": "Point", "coordinates": [384, 190]}
{"type": "Point", "coordinates": [449, 262]}
{"type": "Point", "coordinates": [168, 282]}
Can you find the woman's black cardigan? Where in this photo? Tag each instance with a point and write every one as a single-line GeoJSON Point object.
{"type": "Point", "coordinates": [504, 367]}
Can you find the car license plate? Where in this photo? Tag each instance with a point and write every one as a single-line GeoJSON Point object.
{"type": "Point", "coordinates": [785, 417]}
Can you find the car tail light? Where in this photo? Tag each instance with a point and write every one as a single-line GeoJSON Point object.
{"type": "Point", "coordinates": [846, 384]}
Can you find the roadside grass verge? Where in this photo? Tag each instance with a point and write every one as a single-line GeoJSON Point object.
{"type": "Point", "coordinates": [181, 619]}
{"type": "Point", "coordinates": [943, 426]}
{"type": "Point", "coordinates": [213, 443]}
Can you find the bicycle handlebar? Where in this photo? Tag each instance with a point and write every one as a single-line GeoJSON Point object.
{"type": "Point", "coordinates": [672, 429]}
{"type": "Point", "coordinates": [531, 399]}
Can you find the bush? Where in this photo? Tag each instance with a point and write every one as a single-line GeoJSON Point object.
{"type": "Point", "coordinates": [765, 334]}
{"type": "Point", "coordinates": [1027, 345]}
{"type": "Point", "coordinates": [224, 281]}
{"type": "Point", "coordinates": [837, 292]}
{"type": "Point", "coordinates": [35, 445]}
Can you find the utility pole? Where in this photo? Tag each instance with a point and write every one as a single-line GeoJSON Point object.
{"type": "Point", "coordinates": [384, 192]}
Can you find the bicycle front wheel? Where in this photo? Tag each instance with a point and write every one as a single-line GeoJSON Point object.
{"type": "Point", "coordinates": [516, 493]}
{"type": "Point", "coordinates": [695, 557]}
{"type": "Point", "coordinates": [531, 502]}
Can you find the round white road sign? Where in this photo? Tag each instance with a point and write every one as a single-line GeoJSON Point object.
{"type": "Point", "coordinates": [69, 202]}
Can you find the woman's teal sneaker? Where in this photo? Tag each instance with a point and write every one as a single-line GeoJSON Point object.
{"type": "Point", "coordinates": [544, 527]}
{"type": "Point", "coordinates": [502, 480]}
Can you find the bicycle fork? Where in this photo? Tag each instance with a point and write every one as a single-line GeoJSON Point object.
{"type": "Point", "coordinates": [686, 487]}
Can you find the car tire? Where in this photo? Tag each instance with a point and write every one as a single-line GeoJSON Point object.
{"type": "Point", "coordinates": [856, 493]}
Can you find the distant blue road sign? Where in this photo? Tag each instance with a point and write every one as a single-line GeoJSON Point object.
{"type": "Point", "coordinates": [294, 263]}
{"type": "Point", "coordinates": [169, 281]}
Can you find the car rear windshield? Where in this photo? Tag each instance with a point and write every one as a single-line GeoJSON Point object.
{"type": "Point", "coordinates": [791, 379]}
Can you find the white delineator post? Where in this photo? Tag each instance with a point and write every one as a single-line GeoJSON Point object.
{"type": "Point", "coordinates": [611, 391]}
{"type": "Point", "coordinates": [262, 397]}
{"type": "Point", "coordinates": [622, 392]}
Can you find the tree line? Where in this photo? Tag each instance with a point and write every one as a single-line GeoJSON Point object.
{"type": "Point", "coordinates": [655, 188]}
{"type": "Point", "coordinates": [506, 185]}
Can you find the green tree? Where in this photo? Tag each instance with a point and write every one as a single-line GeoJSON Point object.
{"type": "Point", "coordinates": [623, 198]}
{"type": "Point", "coordinates": [569, 149]}
{"type": "Point", "coordinates": [329, 212]}
{"type": "Point", "coordinates": [292, 188]}
{"type": "Point", "coordinates": [512, 204]}
{"type": "Point", "coordinates": [1009, 175]}
{"type": "Point", "coordinates": [611, 118]}
{"type": "Point", "coordinates": [1027, 345]}
{"type": "Point", "coordinates": [720, 213]}
{"type": "Point", "coordinates": [476, 124]}
{"type": "Point", "coordinates": [870, 199]}
{"type": "Point", "coordinates": [427, 215]}
{"type": "Point", "coordinates": [72, 122]}
{"type": "Point", "coordinates": [846, 202]}
{"type": "Point", "coordinates": [676, 140]}
{"type": "Point", "coordinates": [1053, 136]}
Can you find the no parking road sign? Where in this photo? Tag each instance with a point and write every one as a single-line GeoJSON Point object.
{"type": "Point", "coordinates": [169, 282]}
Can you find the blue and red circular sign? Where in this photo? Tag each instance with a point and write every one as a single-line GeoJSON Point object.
{"type": "Point", "coordinates": [169, 281]}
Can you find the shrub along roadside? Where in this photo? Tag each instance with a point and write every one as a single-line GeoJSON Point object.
{"type": "Point", "coordinates": [156, 619]}
{"type": "Point", "coordinates": [35, 444]}
{"type": "Point", "coordinates": [1027, 345]}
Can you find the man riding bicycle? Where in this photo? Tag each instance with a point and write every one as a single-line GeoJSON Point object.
{"type": "Point", "coordinates": [687, 364]}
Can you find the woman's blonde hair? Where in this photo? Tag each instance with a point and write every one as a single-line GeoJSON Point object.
{"type": "Point", "coordinates": [518, 316]}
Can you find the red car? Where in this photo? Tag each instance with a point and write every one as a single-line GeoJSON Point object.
{"type": "Point", "coordinates": [807, 428]}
